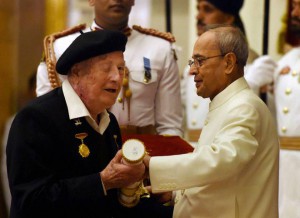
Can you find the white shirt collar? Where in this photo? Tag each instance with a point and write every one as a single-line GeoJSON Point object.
{"type": "Point", "coordinates": [94, 26]}
{"type": "Point", "coordinates": [77, 109]}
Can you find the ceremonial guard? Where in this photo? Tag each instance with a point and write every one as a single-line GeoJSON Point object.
{"type": "Point", "coordinates": [287, 89]}
{"type": "Point", "coordinates": [149, 102]}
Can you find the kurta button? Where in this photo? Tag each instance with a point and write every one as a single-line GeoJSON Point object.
{"type": "Point", "coordinates": [120, 100]}
{"type": "Point", "coordinates": [205, 122]}
{"type": "Point", "coordinates": [194, 122]}
{"type": "Point", "coordinates": [182, 192]}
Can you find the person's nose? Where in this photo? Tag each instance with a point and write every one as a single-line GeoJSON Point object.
{"type": "Point", "coordinates": [296, 11]}
{"type": "Point", "coordinates": [200, 15]}
{"type": "Point", "coordinates": [115, 74]}
{"type": "Point", "coordinates": [193, 70]}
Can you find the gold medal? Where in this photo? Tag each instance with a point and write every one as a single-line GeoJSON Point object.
{"type": "Point", "coordinates": [83, 149]}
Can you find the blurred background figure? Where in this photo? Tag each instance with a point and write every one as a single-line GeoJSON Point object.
{"type": "Point", "coordinates": [287, 94]}
{"type": "Point", "coordinates": [24, 99]}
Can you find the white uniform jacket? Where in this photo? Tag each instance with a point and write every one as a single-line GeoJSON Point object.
{"type": "Point", "coordinates": [155, 102]}
{"type": "Point", "coordinates": [233, 171]}
{"type": "Point", "coordinates": [287, 95]}
{"type": "Point", "coordinates": [287, 89]}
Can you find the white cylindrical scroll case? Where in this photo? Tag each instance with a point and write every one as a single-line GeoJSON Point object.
{"type": "Point", "coordinates": [133, 152]}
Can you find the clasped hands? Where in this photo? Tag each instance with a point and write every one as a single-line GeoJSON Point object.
{"type": "Point", "coordinates": [120, 175]}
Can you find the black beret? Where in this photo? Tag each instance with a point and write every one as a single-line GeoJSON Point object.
{"type": "Point", "coordinates": [228, 6]}
{"type": "Point", "coordinates": [88, 45]}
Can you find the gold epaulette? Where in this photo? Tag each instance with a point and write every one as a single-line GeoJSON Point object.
{"type": "Point", "coordinates": [49, 53]}
{"type": "Point", "coordinates": [153, 32]}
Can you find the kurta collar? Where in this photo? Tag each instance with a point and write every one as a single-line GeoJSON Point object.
{"type": "Point", "coordinates": [228, 93]}
{"type": "Point", "coordinates": [77, 109]}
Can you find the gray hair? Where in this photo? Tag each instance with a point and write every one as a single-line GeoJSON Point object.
{"type": "Point", "coordinates": [231, 39]}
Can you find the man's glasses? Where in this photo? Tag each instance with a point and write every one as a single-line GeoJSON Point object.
{"type": "Point", "coordinates": [198, 61]}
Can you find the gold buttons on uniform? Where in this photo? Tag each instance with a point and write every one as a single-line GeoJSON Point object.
{"type": "Point", "coordinates": [285, 110]}
{"type": "Point", "coordinates": [120, 100]}
{"type": "Point", "coordinates": [195, 105]}
{"type": "Point", "coordinates": [288, 91]}
{"type": "Point", "coordinates": [283, 129]}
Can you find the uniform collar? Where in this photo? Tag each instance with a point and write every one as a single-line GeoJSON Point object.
{"type": "Point", "coordinates": [127, 30]}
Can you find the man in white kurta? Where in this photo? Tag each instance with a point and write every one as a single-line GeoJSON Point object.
{"type": "Point", "coordinates": [233, 171]}
{"type": "Point", "coordinates": [196, 107]}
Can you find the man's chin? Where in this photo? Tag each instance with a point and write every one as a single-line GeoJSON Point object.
{"type": "Point", "coordinates": [200, 30]}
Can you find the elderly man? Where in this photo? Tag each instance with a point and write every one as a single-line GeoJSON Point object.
{"type": "Point", "coordinates": [233, 171]}
{"type": "Point", "coordinates": [62, 150]}
{"type": "Point", "coordinates": [219, 12]}
{"type": "Point", "coordinates": [148, 101]}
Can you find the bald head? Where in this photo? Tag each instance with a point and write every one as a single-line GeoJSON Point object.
{"type": "Point", "coordinates": [219, 57]}
{"type": "Point", "coordinates": [230, 39]}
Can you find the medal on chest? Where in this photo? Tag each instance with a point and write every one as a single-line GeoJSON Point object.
{"type": "Point", "coordinates": [83, 149]}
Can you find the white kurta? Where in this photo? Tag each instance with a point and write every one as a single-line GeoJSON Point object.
{"type": "Point", "coordinates": [156, 102]}
{"type": "Point", "coordinates": [233, 171]}
{"type": "Point", "coordinates": [287, 89]}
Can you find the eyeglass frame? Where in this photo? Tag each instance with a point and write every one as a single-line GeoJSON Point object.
{"type": "Point", "coordinates": [200, 60]}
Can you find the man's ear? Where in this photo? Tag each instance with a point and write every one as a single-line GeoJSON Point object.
{"type": "Point", "coordinates": [91, 2]}
{"type": "Point", "coordinates": [229, 19]}
{"type": "Point", "coordinates": [230, 62]}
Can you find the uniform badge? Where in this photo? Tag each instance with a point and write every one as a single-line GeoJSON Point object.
{"type": "Point", "coordinates": [77, 122]}
{"type": "Point", "coordinates": [83, 149]}
{"type": "Point", "coordinates": [147, 67]}
{"type": "Point", "coordinates": [285, 70]}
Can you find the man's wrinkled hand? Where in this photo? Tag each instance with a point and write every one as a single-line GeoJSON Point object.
{"type": "Point", "coordinates": [119, 175]}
